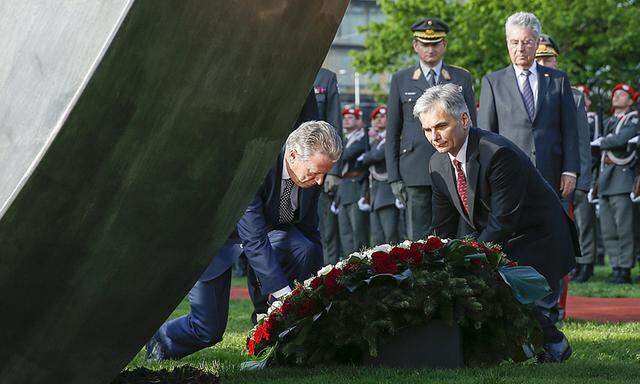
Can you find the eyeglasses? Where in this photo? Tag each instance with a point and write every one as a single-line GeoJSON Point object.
{"type": "Point", "coordinates": [525, 43]}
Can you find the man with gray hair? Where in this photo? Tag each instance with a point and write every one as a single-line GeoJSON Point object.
{"type": "Point", "coordinates": [278, 234]}
{"type": "Point", "coordinates": [488, 182]}
{"type": "Point", "coordinates": [533, 106]}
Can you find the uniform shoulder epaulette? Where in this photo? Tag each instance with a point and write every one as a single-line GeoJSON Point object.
{"type": "Point", "coordinates": [455, 66]}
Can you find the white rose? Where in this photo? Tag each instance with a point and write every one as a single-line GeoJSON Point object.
{"type": "Point", "coordinates": [275, 305]}
{"type": "Point", "coordinates": [326, 269]}
{"type": "Point", "coordinates": [405, 244]}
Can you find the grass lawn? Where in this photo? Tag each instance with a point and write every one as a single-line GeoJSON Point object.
{"type": "Point", "coordinates": [598, 287]}
{"type": "Point", "coordinates": [603, 353]}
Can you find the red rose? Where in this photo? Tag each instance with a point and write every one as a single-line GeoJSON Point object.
{"type": "Point", "coordinates": [511, 264]}
{"type": "Point", "coordinates": [476, 261]}
{"type": "Point", "coordinates": [433, 244]}
{"type": "Point", "coordinates": [331, 281]}
{"type": "Point", "coordinates": [407, 256]}
{"type": "Point", "coordinates": [285, 308]}
{"type": "Point", "coordinates": [296, 291]}
{"type": "Point", "coordinates": [316, 282]}
{"type": "Point", "coordinates": [384, 263]}
{"type": "Point", "coordinates": [307, 308]}
{"type": "Point", "coordinates": [251, 346]}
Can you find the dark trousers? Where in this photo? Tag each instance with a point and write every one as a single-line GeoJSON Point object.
{"type": "Point", "coordinates": [617, 224]}
{"type": "Point", "coordinates": [354, 228]}
{"type": "Point", "coordinates": [328, 230]}
{"type": "Point", "coordinates": [585, 218]}
{"type": "Point", "coordinates": [299, 257]}
{"type": "Point", "coordinates": [206, 322]}
{"type": "Point", "coordinates": [418, 212]}
{"type": "Point", "coordinates": [384, 225]}
{"type": "Point", "coordinates": [547, 313]}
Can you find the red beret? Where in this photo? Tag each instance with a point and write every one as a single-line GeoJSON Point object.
{"type": "Point", "coordinates": [357, 112]}
{"type": "Point", "coordinates": [583, 88]}
{"type": "Point", "coordinates": [381, 109]}
{"type": "Point", "coordinates": [626, 88]}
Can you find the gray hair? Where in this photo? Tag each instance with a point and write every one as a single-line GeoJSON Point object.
{"type": "Point", "coordinates": [315, 136]}
{"type": "Point", "coordinates": [524, 20]}
{"type": "Point", "coordinates": [450, 98]}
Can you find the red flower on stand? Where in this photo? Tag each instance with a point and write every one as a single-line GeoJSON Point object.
{"type": "Point", "coordinates": [384, 263]}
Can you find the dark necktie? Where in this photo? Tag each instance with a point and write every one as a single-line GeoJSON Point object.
{"type": "Point", "coordinates": [431, 78]}
{"type": "Point", "coordinates": [462, 186]}
{"type": "Point", "coordinates": [286, 210]}
{"type": "Point", "coordinates": [527, 94]}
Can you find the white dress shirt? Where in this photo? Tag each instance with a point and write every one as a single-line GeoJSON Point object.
{"type": "Point", "coordinates": [533, 80]}
{"type": "Point", "coordinates": [425, 70]}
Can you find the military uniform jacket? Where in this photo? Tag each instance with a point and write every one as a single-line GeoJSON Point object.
{"type": "Point", "coordinates": [551, 139]}
{"type": "Point", "coordinates": [351, 189]}
{"type": "Point", "coordinates": [381, 194]}
{"type": "Point", "coordinates": [584, 182]}
{"type": "Point", "coordinates": [326, 90]}
{"type": "Point", "coordinates": [618, 179]}
{"type": "Point", "coordinates": [407, 150]}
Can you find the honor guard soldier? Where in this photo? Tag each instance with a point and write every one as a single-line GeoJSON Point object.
{"type": "Point", "coordinates": [384, 212]}
{"type": "Point", "coordinates": [407, 151]}
{"type": "Point", "coordinates": [615, 183]}
{"type": "Point", "coordinates": [353, 222]}
{"type": "Point", "coordinates": [584, 212]}
{"type": "Point", "coordinates": [326, 90]}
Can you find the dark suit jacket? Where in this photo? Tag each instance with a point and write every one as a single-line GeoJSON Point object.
{"type": "Point", "coordinates": [260, 217]}
{"type": "Point", "coordinates": [407, 151]}
{"type": "Point", "coordinates": [510, 204]}
{"type": "Point", "coordinates": [552, 137]}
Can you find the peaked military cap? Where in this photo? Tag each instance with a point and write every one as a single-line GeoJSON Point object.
{"type": "Point", "coordinates": [547, 47]}
{"type": "Point", "coordinates": [430, 30]}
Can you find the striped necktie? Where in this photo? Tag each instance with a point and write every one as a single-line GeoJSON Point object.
{"type": "Point", "coordinates": [286, 210]}
{"type": "Point", "coordinates": [527, 94]}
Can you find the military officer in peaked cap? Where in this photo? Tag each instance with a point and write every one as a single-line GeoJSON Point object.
{"type": "Point", "coordinates": [407, 152]}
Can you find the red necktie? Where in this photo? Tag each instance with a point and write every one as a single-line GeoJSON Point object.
{"type": "Point", "coordinates": [462, 186]}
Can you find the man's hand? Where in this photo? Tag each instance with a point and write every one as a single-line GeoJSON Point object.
{"type": "Point", "coordinates": [567, 184]}
{"type": "Point", "coordinates": [331, 183]}
{"type": "Point", "coordinates": [399, 191]}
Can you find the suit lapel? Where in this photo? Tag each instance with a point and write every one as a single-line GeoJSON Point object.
{"type": "Point", "coordinates": [473, 168]}
{"type": "Point", "coordinates": [418, 79]}
{"type": "Point", "coordinates": [511, 83]}
{"type": "Point", "coordinates": [543, 85]}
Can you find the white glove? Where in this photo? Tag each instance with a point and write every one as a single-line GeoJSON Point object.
{"type": "Point", "coordinates": [591, 198]}
{"type": "Point", "coordinates": [363, 205]}
{"type": "Point", "coordinates": [334, 208]}
{"type": "Point", "coordinates": [596, 142]}
{"type": "Point", "coordinates": [634, 198]}
{"type": "Point", "coordinates": [399, 204]}
{"type": "Point", "coordinates": [360, 158]}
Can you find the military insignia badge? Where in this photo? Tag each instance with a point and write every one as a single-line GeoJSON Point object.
{"type": "Point", "coordinates": [445, 74]}
{"type": "Point", "coordinates": [319, 90]}
{"type": "Point", "coordinates": [416, 74]}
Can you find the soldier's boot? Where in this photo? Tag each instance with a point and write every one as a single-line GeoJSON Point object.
{"type": "Point", "coordinates": [575, 272]}
{"type": "Point", "coordinates": [586, 272]}
{"type": "Point", "coordinates": [615, 272]}
{"type": "Point", "coordinates": [624, 277]}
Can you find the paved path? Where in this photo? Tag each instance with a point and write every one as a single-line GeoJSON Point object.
{"type": "Point", "coordinates": [578, 307]}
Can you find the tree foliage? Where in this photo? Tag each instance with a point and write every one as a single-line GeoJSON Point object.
{"type": "Point", "coordinates": [598, 39]}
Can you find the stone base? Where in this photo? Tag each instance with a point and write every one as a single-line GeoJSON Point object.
{"type": "Point", "coordinates": [433, 345]}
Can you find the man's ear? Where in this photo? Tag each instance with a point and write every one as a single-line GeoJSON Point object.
{"type": "Point", "coordinates": [465, 120]}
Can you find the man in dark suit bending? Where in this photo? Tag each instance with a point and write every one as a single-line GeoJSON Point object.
{"type": "Point", "coordinates": [278, 234]}
{"type": "Point", "coordinates": [487, 181]}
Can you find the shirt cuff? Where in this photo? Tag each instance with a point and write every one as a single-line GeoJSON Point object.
{"type": "Point", "coordinates": [281, 292]}
{"type": "Point", "coordinates": [572, 174]}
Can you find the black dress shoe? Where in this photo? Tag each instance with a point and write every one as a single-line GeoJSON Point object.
{"type": "Point", "coordinates": [154, 350]}
{"type": "Point", "coordinates": [586, 272]}
{"type": "Point", "coordinates": [576, 272]}
{"type": "Point", "coordinates": [614, 275]}
{"type": "Point", "coordinates": [556, 352]}
{"type": "Point", "coordinates": [624, 277]}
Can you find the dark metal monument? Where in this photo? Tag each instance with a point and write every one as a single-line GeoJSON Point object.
{"type": "Point", "coordinates": [132, 135]}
